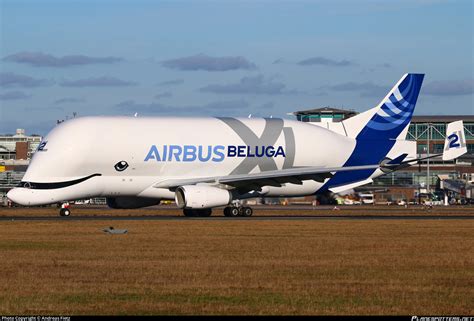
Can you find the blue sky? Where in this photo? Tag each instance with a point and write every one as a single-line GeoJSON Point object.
{"type": "Point", "coordinates": [227, 58]}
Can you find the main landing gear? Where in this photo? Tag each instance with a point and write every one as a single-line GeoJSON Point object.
{"type": "Point", "coordinates": [234, 211]}
{"type": "Point", "coordinates": [229, 211]}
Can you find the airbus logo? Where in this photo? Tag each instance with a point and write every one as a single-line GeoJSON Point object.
{"type": "Point", "coordinates": [209, 153]}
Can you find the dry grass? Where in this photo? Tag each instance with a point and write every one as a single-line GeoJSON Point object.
{"type": "Point", "coordinates": [238, 267]}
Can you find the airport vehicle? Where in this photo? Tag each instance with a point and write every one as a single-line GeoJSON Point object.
{"type": "Point", "coordinates": [367, 198]}
{"type": "Point", "coordinates": [349, 201]}
{"type": "Point", "coordinates": [205, 163]}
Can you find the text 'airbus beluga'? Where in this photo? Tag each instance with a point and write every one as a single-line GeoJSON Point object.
{"type": "Point", "coordinates": [204, 163]}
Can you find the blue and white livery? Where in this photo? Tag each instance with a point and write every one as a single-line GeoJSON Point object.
{"type": "Point", "coordinates": [203, 163]}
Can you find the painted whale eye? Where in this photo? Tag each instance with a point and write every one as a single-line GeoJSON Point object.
{"type": "Point", "coordinates": [121, 166]}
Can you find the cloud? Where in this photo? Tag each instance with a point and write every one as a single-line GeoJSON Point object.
{"type": "Point", "coordinates": [385, 65]}
{"type": "Point", "coordinates": [13, 95]}
{"type": "Point", "coordinates": [166, 94]}
{"type": "Point", "coordinates": [325, 62]}
{"type": "Point", "coordinates": [436, 88]}
{"type": "Point", "coordinates": [171, 82]}
{"type": "Point", "coordinates": [376, 68]}
{"type": "Point", "coordinates": [103, 81]}
{"type": "Point", "coordinates": [220, 107]}
{"type": "Point", "coordinates": [250, 85]}
{"type": "Point", "coordinates": [207, 63]}
{"type": "Point", "coordinates": [39, 59]}
{"type": "Point", "coordinates": [9, 79]}
{"type": "Point", "coordinates": [366, 89]}
{"type": "Point", "coordinates": [449, 88]}
{"type": "Point", "coordinates": [69, 100]}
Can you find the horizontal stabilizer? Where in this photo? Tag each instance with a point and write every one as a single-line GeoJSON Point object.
{"type": "Point", "coordinates": [342, 188]}
{"type": "Point", "coordinates": [398, 160]}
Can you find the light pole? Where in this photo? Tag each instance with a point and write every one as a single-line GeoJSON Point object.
{"type": "Point", "coordinates": [428, 161]}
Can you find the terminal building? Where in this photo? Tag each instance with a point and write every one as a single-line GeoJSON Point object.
{"type": "Point", "coordinates": [431, 178]}
{"type": "Point", "coordinates": [15, 154]}
{"type": "Point", "coordinates": [18, 146]}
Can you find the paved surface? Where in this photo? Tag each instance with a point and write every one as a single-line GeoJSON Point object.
{"type": "Point", "coordinates": [219, 218]}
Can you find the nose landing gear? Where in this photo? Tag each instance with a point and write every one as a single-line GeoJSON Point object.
{"type": "Point", "coordinates": [64, 211]}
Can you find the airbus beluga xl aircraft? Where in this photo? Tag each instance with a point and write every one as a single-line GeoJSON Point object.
{"type": "Point", "coordinates": [204, 163]}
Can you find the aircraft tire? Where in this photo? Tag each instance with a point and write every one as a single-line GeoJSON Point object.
{"type": "Point", "coordinates": [247, 211]}
{"type": "Point", "coordinates": [64, 212]}
{"type": "Point", "coordinates": [234, 212]}
{"type": "Point", "coordinates": [227, 211]}
{"type": "Point", "coordinates": [204, 212]}
{"type": "Point", "coordinates": [197, 213]}
{"type": "Point", "coordinates": [188, 213]}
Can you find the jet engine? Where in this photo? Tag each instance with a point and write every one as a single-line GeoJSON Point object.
{"type": "Point", "coordinates": [125, 202]}
{"type": "Point", "coordinates": [201, 196]}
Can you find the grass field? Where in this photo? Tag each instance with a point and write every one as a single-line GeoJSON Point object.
{"type": "Point", "coordinates": [423, 267]}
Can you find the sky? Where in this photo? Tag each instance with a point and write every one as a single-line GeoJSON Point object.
{"type": "Point", "coordinates": [227, 58]}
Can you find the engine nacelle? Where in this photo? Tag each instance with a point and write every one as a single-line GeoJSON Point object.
{"type": "Point", "coordinates": [201, 196]}
{"type": "Point", "coordinates": [129, 202]}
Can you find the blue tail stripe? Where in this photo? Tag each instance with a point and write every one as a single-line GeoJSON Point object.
{"type": "Point", "coordinates": [394, 115]}
{"type": "Point", "coordinates": [402, 104]}
{"type": "Point", "coordinates": [377, 138]}
{"type": "Point", "coordinates": [405, 87]}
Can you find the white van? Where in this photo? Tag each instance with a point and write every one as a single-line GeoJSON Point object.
{"type": "Point", "coordinates": [367, 198]}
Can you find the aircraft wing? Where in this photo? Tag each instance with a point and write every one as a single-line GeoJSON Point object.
{"type": "Point", "coordinates": [268, 178]}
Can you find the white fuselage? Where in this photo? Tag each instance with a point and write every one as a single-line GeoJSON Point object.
{"type": "Point", "coordinates": [209, 162]}
{"type": "Point", "coordinates": [160, 149]}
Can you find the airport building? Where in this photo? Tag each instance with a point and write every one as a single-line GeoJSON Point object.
{"type": "Point", "coordinates": [430, 179]}
{"type": "Point", "coordinates": [15, 154]}
{"type": "Point", "coordinates": [18, 146]}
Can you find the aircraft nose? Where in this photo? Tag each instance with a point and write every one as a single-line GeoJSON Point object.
{"type": "Point", "coordinates": [20, 196]}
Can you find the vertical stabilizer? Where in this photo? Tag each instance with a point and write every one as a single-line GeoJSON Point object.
{"type": "Point", "coordinates": [391, 116]}
{"type": "Point", "coordinates": [378, 132]}
{"type": "Point", "coordinates": [455, 143]}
